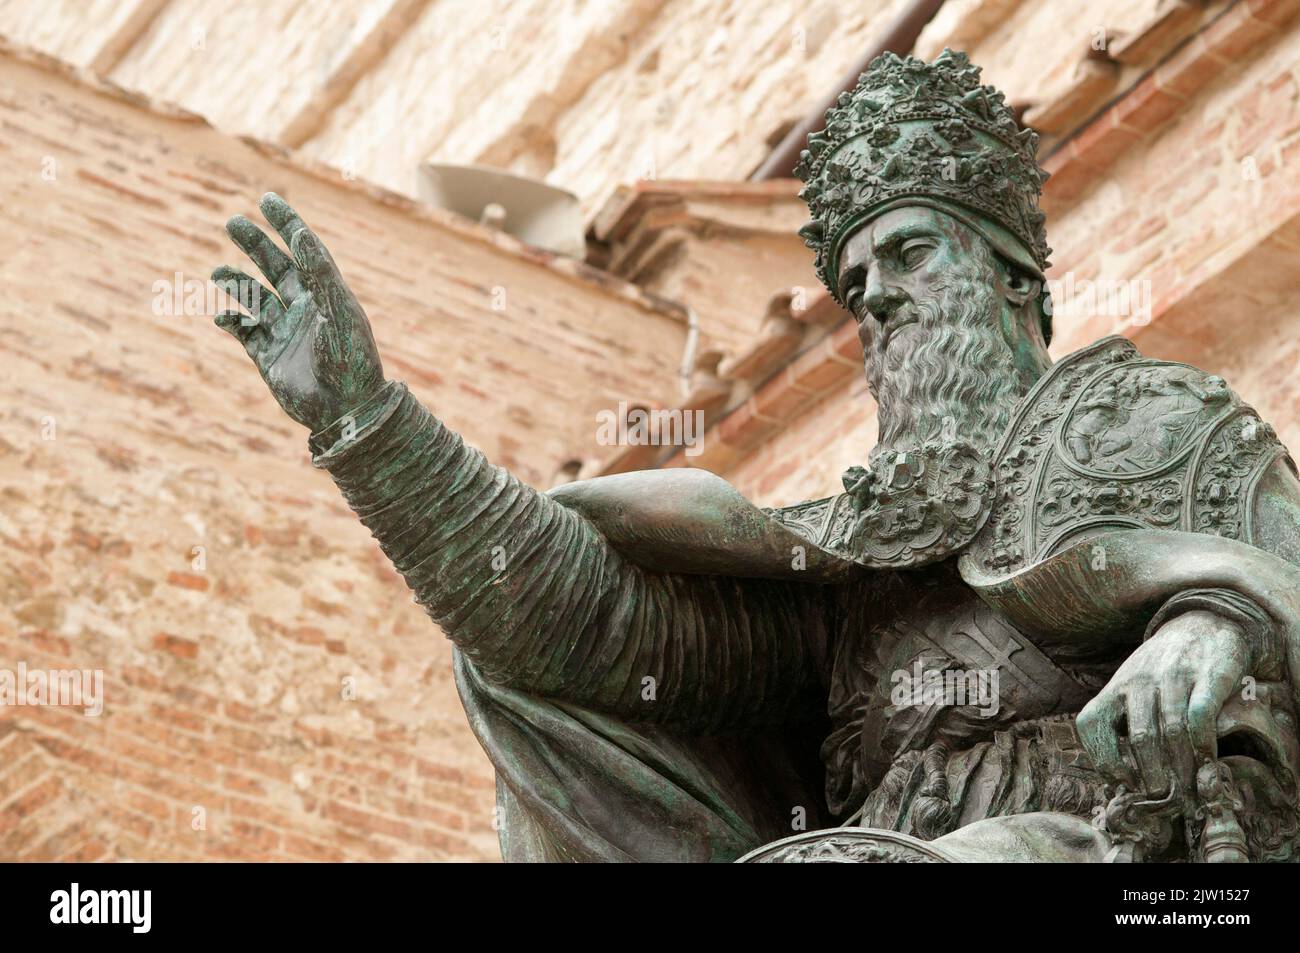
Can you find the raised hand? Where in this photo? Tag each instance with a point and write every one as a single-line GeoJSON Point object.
{"type": "Point", "coordinates": [310, 339]}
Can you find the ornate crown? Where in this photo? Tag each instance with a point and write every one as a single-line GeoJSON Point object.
{"type": "Point", "coordinates": [928, 130]}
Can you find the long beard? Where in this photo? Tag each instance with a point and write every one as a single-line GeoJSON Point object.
{"type": "Point", "coordinates": [952, 375]}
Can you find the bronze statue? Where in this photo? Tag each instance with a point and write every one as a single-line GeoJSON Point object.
{"type": "Point", "coordinates": [1056, 616]}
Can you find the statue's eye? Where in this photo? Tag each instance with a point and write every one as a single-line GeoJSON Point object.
{"type": "Point", "coordinates": [913, 254]}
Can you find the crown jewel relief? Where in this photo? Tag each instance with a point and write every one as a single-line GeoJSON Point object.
{"type": "Point", "coordinates": [911, 128]}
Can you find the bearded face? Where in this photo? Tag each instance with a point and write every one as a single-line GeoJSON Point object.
{"type": "Point", "coordinates": [943, 369]}
{"type": "Point", "coordinates": [951, 341]}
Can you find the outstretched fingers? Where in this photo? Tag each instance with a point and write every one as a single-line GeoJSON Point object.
{"type": "Point", "coordinates": [282, 217]}
{"type": "Point", "coordinates": [315, 266]}
{"type": "Point", "coordinates": [260, 324]}
{"type": "Point", "coordinates": [322, 276]}
{"type": "Point", "coordinates": [262, 305]}
{"type": "Point", "coordinates": [269, 258]}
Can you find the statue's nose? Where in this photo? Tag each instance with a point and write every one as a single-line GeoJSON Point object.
{"type": "Point", "coordinates": [882, 300]}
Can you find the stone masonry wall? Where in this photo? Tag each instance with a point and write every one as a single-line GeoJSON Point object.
{"type": "Point", "coordinates": [158, 515]}
{"type": "Point", "coordinates": [160, 521]}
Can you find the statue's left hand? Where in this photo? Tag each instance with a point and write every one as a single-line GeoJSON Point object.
{"type": "Point", "coordinates": [1167, 697]}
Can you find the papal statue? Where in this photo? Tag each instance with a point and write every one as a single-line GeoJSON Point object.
{"type": "Point", "coordinates": [1055, 617]}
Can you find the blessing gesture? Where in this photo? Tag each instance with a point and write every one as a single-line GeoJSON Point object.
{"type": "Point", "coordinates": [310, 338]}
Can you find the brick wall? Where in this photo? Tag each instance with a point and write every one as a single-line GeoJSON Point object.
{"type": "Point", "coordinates": [587, 95]}
{"type": "Point", "coordinates": [159, 519]}
{"type": "Point", "coordinates": [1175, 166]}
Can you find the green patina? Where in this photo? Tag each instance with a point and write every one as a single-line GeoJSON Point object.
{"type": "Point", "coordinates": [660, 670]}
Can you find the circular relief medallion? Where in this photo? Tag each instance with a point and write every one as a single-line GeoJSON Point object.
{"type": "Point", "coordinates": [1139, 418]}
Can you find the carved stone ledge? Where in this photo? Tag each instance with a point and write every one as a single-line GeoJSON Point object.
{"type": "Point", "coordinates": [1172, 22]}
{"type": "Point", "coordinates": [1092, 82]}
